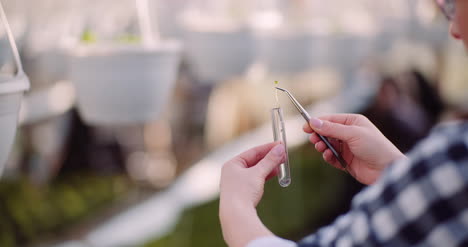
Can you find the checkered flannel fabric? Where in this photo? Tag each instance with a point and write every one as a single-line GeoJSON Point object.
{"type": "Point", "coordinates": [421, 201]}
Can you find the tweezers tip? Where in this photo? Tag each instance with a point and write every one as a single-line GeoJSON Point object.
{"type": "Point", "coordinates": [281, 89]}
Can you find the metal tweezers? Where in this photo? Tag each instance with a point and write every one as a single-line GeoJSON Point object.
{"type": "Point", "coordinates": [307, 118]}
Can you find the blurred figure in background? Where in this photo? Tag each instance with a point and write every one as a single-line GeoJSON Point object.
{"type": "Point", "coordinates": [405, 109]}
{"type": "Point", "coordinates": [414, 199]}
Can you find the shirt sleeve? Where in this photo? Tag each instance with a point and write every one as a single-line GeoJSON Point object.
{"type": "Point", "coordinates": [271, 242]}
{"type": "Point", "coordinates": [421, 201]}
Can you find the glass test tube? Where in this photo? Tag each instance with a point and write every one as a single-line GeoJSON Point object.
{"type": "Point", "coordinates": [279, 134]}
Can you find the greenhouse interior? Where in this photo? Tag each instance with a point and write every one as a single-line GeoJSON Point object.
{"type": "Point", "coordinates": [102, 144]}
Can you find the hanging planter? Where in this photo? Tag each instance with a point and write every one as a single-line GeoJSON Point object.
{"type": "Point", "coordinates": [47, 67]}
{"type": "Point", "coordinates": [288, 44]}
{"type": "Point", "coordinates": [18, 22]}
{"type": "Point", "coordinates": [351, 48]}
{"type": "Point", "coordinates": [4, 50]}
{"type": "Point", "coordinates": [11, 94]}
{"type": "Point", "coordinates": [290, 53]}
{"type": "Point", "coordinates": [125, 83]}
{"type": "Point", "coordinates": [219, 44]}
{"type": "Point", "coordinates": [217, 55]}
{"type": "Point", "coordinates": [53, 27]}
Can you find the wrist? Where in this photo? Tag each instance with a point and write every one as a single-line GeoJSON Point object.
{"type": "Point", "coordinates": [241, 224]}
{"type": "Point", "coordinates": [233, 209]}
{"type": "Point", "coordinates": [394, 155]}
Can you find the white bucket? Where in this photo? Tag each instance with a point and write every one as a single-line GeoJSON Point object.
{"type": "Point", "coordinates": [123, 84]}
{"type": "Point", "coordinates": [11, 94]}
{"type": "Point", "coordinates": [349, 51]}
{"type": "Point", "coordinates": [289, 53]}
{"type": "Point", "coordinates": [5, 51]}
{"type": "Point", "coordinates": [216, 55]}
{"type": "Point", "coordinates": [46, 67]}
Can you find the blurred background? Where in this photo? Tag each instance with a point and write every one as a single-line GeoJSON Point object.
{"type": "Point", "coordinates": [135, 105]}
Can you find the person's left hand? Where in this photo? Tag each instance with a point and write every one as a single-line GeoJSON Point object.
{"type": "Point", "coordinates": [242, 183]}
{"type": "Point", "coordinates": [243, 177]}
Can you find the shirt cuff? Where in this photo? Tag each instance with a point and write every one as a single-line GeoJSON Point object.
{"type": "Point", "coordinates": [271, 241]}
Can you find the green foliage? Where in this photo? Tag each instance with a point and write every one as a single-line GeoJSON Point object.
{"type": "Point", "coordinates": [129, 39]}
{"type": "Point", "coordinates": [29, 212]}
{"type": "Point", "coordinates": [88, 37]}
{"type": "Point", "coordinates": [289, 212]}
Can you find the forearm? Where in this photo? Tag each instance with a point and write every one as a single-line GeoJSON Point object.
{"type": "Point", "coordinates": [241, 225]}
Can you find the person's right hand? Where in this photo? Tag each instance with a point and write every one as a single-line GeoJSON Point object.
{"type": "Point", "coordinates": [366, 150]}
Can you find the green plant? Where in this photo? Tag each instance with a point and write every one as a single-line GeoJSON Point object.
{"type": "Point", "coordinates": [30, 213]}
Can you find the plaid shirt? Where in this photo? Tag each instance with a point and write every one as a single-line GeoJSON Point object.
{"type": "Point", "coordinates": [421, 201]}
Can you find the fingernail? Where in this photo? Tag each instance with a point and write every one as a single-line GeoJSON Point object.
{"type": "Point", "coordinates": [278, 150]}
{"type": "Point", "coordinates": [316, 123]}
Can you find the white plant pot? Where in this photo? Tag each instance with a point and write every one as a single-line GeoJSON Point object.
{"type": "Point", "coordinates": [391, 30]}
{"type": "Point", "coordinates": [11, 94]}
{"type": "Point", "coordinates": [292, 53]}
{"type": "Point", "coordinates": [219, 55]}
{"type": "Point", "coordinates": [46, 67]}
{"type": "Point", "coordinates": [123, 84]}
{"type": "Point", "coordinates": [349, 51]}
{"type": "Point", "coordinates": [5, 51]}
{"type": "Point", "coordinates": [164, 14]}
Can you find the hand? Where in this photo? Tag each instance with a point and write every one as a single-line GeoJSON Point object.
{"type": "Point", "coordinates": [242, 183]}
{"type": "Point", "coordinates": [366, 150]}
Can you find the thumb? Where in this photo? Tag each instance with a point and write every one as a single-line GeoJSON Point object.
{"type": "Point", "coordinates": [274, 158]}
{"type": "Point", "coordinates": [334, 130]}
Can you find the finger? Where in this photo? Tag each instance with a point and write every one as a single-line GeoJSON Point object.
{"type": "Point", "coordinates": [253, 156]}
{"type": "Point", "coordinates": [272, 174]}
{"type": "Point", "coordinates": [334, 130]}
{"type": "Point", "coordinates": [336, 144]}
{"type": "Point", "coordinates": [345, 119]}
{"type": "Point", "coordinates": [330, 159]}
{"type": "Point", "coordinates": [274, 158]}
{"type": "Point", "coordinates": [307, 128]}
{"type": "Point", "coordinates": [314, 138]}
{"type": "Point", "coordinates": [328, 156]}
{"type": "Point", "coordinates": [320, 146]}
